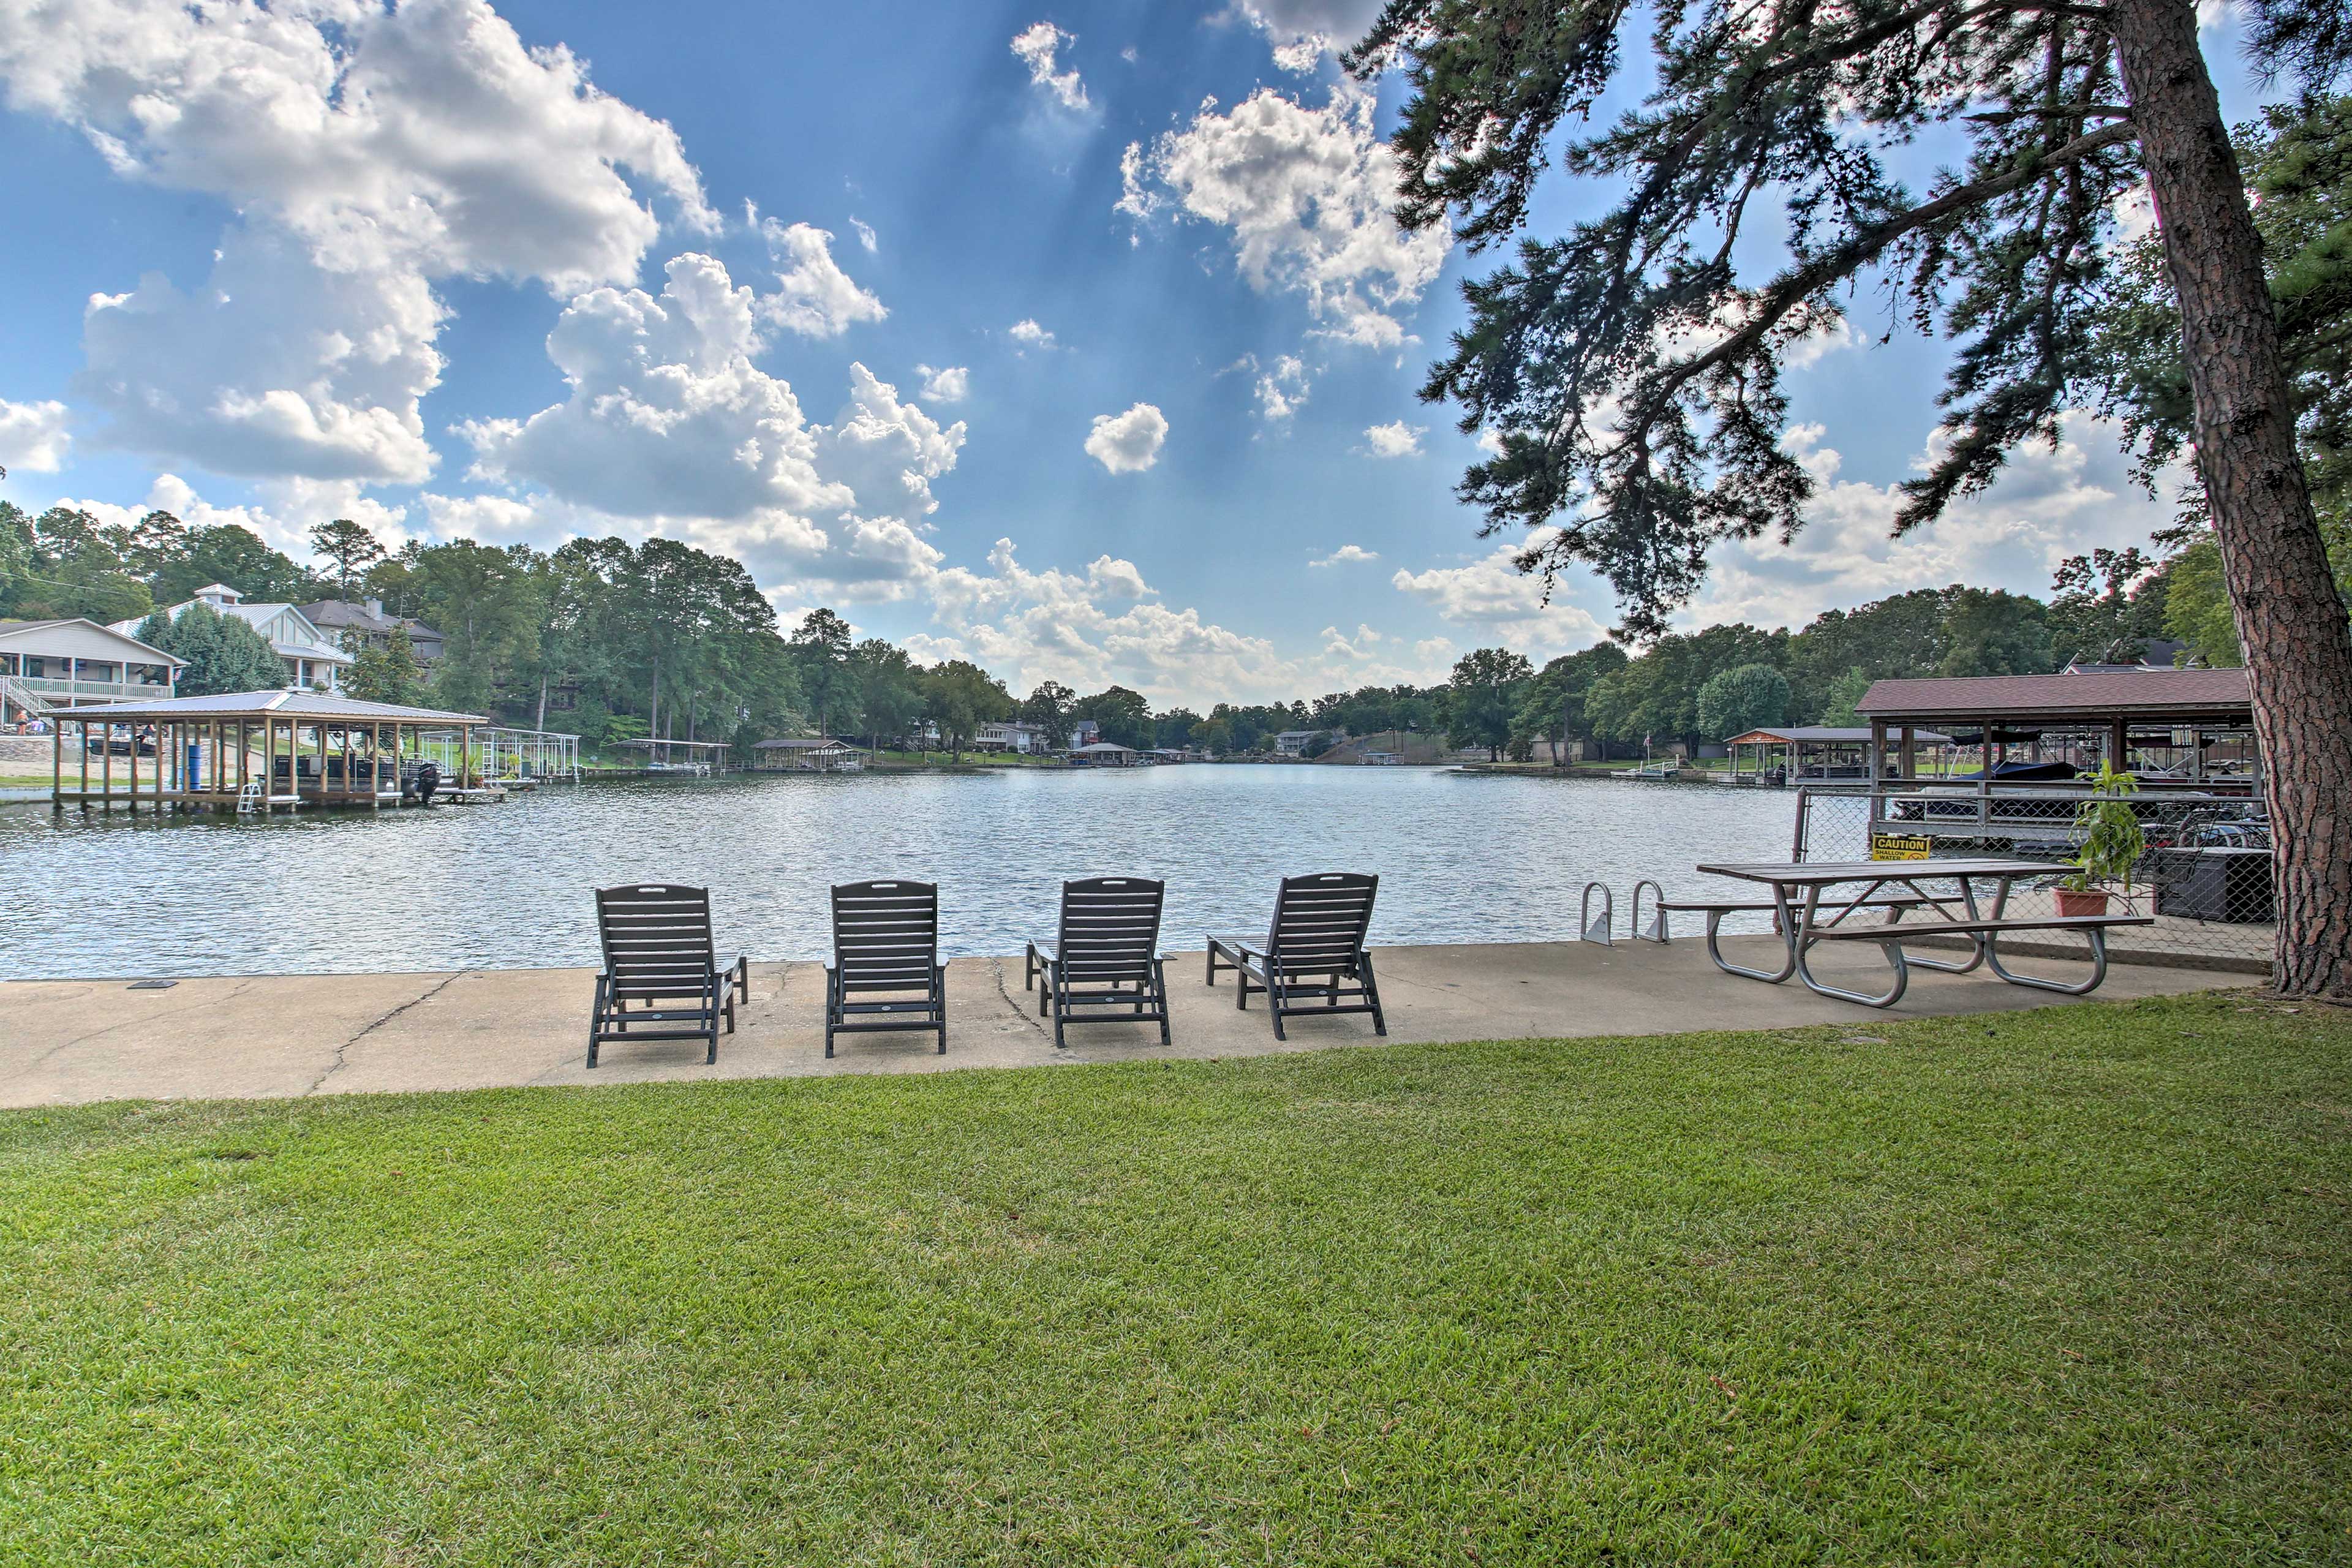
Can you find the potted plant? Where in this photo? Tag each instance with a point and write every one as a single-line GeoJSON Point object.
{"type": "Point", "coordinates": [2112, 844]}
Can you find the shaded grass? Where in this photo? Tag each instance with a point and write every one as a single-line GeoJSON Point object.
{"type": "Point", "coordinates": [2065, 1286]}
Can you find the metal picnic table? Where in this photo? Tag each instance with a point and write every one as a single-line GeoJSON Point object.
{"type": "Point", "coordinates": [1801, 919]}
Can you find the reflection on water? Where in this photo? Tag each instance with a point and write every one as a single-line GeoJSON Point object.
{"type": "Point", "coordinates": [1461, 859]}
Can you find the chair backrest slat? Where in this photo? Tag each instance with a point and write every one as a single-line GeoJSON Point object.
{"type": "Point", "coordinates": [886, 935]}
{"type": "Point", "coordinates": [1110, 927]}
{"type": "Point", "coordinates": [656, 937]}
{"type": "Point", "coordinates": [1320, 921]}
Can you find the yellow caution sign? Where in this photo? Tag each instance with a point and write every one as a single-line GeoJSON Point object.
{"type": "Point", "coordinates": [1899, 846]}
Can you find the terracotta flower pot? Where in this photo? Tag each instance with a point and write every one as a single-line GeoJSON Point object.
{"type": "Point", "coordinates": [2082, 902]}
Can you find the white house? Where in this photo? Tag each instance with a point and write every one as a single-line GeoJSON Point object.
{"type": "Point", "coordinates": [1293, 742]}
{"type": "Point", "coordinates": [313, 662]}
{"type": "Point", "coordinates": [67, 663]}
{"type": "Point", "coordinates": [1012, 737]}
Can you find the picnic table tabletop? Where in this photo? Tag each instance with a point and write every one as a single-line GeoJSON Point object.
{"type": "Point", "coordinates": [1829, 873]}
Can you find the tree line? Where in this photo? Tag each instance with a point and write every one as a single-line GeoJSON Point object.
{"type": "Point", "coordinates": [617, 641]}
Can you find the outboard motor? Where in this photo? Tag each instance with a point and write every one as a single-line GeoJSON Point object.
{"type": "Point", "coordinates": [428, 779]}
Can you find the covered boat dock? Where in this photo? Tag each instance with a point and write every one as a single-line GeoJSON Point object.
{"type": "Point", "coordinates": [1787, 753]}
{"type": "Point", "coordinates": [244, 751]}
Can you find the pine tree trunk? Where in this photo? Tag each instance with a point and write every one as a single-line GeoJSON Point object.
{"type": "Point", "coordinates": [2289, 618]}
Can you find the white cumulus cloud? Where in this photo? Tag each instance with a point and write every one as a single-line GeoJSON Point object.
{"type": "Point", "coordinates": [1502, 604]}
{"type": "Point", "coordinates": [34, 438]}
{"type": "Point", "coordinates": [1029, 334]}
{"type": "Point", "coordinates": [370, 152]}
{"type": "Point", "coordinates": [1347, 555]}
{"type": "Point", "coordinates": [1089, 629]}
{"type": "Point", "coordinates": [1038, 46]}
{"type": "Point", "coordinates": [1301, 32]}
{"type": "Point", "coordinates": [815, 297]}
{"type": "Point", "coordinates": [2045, 506]}
{"type": "Point", "coordinates": [1304, 195]}
{"type": "Point", "coordinates": [1282, 388]}
{"type": "Point", "coordinates": [1129, 443]}
{"type": "Point", "coordinates": [1394, 439]}
{"type": "Point", "coordinates": [670, 428]}
{"type": "Point", "coordinates": [951, 384]}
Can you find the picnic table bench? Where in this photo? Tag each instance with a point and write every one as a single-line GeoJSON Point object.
{"type": "Point", "coordinates": [1798, 914]}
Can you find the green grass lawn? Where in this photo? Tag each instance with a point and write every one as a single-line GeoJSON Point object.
{"type": "Point", "coordinates": [2062, 1287]}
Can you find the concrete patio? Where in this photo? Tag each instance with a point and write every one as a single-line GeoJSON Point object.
{"type": "Point", "coordinates": [71, 1041]}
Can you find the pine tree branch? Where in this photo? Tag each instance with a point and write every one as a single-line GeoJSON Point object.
{"type": "Point", "coordinates": [1792, 289]}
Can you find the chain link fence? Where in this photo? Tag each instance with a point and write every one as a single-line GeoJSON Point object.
{"type": "Point", "coordinates": [2205, 874]}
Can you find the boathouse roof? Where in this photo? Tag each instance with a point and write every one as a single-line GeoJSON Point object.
{"type": "Point", "coordinates": [1818, 734]}
{"type": "Point", "coordinates": [2210, 695]}
{"type": "Point", "coordinates": [309, 705]}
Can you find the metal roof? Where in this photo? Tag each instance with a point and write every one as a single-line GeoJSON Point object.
{"type": "Point", "coordinates": [1101, 746]}
{"type": "Point", "coordinates": [1769, 733]}
{"type": "Point", "coordinates": [2084, 695]}
{"type": "Point", "coordinates": [272, 704]}
{"type": "Point", "coordinates": [802, 743]}
{"type": "Point", "coordinates": [11, 628]}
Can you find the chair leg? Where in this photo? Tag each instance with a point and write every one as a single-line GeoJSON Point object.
{"type": "Point", "coordinates": [1160, 982]}
{"type": "Point", "coordinates": [939, 995]}
{"type": "Point", "coordinates": [1276, 994]}
{"type": "Point", "coordinates": [1372, 995]}
{"type": "Point", "coordinates": [596, 1020]}
{"type": "Point", "coordinates": [832, 1007]}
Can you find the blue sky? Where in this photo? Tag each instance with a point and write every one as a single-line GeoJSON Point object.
{"type": "Point", "coordinates": [1074, 339]}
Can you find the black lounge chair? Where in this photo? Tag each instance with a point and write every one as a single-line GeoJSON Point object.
{"type": "Point", "coordinates": [1314, 948]}
{"type": "Point", "coordinates": [885, 939]}
{"type": "Point", "coordinates": [1106, 955]}
{"type": "Point", "coordinates": [660, 959]}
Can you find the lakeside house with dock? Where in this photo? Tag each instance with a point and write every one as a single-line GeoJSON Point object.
{"type": "Point", "coordinates": [73, 662]}
{"type": "Point", "coordinates": [252, 751]}
{"type": "Point", "coordinates": [313, 662]}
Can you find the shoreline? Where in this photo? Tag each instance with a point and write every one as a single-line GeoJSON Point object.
{"type": "Point", "coordinates": [65, 1042]}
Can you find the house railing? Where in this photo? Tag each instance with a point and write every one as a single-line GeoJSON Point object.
{"type": "Point", "coordinates": [49, 686]}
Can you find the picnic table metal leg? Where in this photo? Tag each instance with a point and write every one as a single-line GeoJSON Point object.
{"type": "Point", "coordinates": [1892, 947]}
{"type": "Point", "coordinates": [2096, 937]}
{"type": "Point", "coordinates": [1976, 940]}
{"type": "Point", "coordinates": [1789, 961]}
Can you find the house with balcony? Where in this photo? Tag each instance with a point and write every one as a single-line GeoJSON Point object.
{"type": "Point", "coordinates": [352, 626]}
{"type": "Point", "coordinates": [1024, 739]}
{"type": "Point", "coordinates": [69, 663]}
{"type": "Point", "coordinates": [313, 662]}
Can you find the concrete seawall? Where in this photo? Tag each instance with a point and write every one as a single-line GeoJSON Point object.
{"type": "Point", "coordinates": [73, 1041]}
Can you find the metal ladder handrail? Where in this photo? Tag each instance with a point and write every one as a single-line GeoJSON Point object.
{"type": "Point", "coordinates": [1587, 925]}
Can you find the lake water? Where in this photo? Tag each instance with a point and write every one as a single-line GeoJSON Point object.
{"type": "Point", "coordinates": [1461, 857]}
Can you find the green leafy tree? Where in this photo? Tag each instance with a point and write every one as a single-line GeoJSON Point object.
{"type": "Point", "coordinates": [1989, 631]}
{"type": "Point", "coordinates": [820, 650]}
{"type": "Point", "coordinates": [1174, 728]}
{"type": "Point", "coordinates": [959, 696]}
{"type": "Point", "coordinates": [1552, 708]}
{"type": "Point", "coordinates": [1734, 702]}
{"type": "Point", "coordinates": [387, 672]}
{"type": "Point", "coordinates": [349, 548]}
{"type": "Point", "coordinates": [2197, 605]}
{"type": "Point", "coordinates": [1214, 736]}
{"type": "Point", "coordinates": [2105, 607]}
{"type": "Point", "coordinates": [1631, 369]}
{"type": "Point", "coordinates": [224, 553]}
{"type": "Point", "coordinates": [1482, 697]}
{"type": "Point", "coordinates": [890, 690]}
{"type": "Point", "coordinates": [224, 653]}
{"type": "Point", "coordinates": [1845, 692]}
{"type": "Point", "coordinates": [1048, 707]}
{"type": "Point", "coordinates": [1122, 715]}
